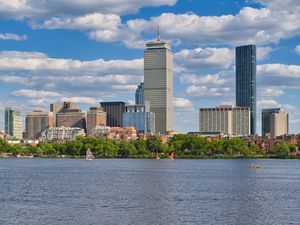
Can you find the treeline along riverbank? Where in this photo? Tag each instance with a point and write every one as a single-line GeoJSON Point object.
{"type": "Point", "coordinates": [183, 145]}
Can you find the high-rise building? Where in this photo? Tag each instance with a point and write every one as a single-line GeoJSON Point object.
{"type": "Point", "coordinates": [114, 113]}
{"type": "Point", "coordinates": [139, 95]}
{"type": "Point", "coordinates": [158, 83]}
{"type": "Point", "coordinates": [139, 117]}
{"type": "Point", "coordinates": [59, 108]}
{"type": "Point", "coordinates": [71, 118]}
{"type": "Point", "coordinates": [36, 122]}
{"type": "Point", "coordinates": [275, 122]}
{"type": "Point", "coordinates": [226, 119]}
{"type": "Point", "coordinates": [96, 117]}
{"type": "Point", "coordinates": [245, 57]}
{"type": "Point", "coordinates": [13, 123]}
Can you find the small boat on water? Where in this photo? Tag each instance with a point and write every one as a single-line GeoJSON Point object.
{"type": "Point", "coordinates": [89, 155]}
{"type": "Point", "coordinates": [254, 166]}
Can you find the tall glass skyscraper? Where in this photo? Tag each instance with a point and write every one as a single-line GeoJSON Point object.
{"type": "Point", "coordinates": [13, 123]}
{"type": "Point", "coordinates": [245, 58]}
{"type": "Point", "coordinates": [158, 80]}
{"type": "Point", "coordinates": [139, 94]}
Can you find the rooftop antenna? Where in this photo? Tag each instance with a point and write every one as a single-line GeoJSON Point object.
{"type": "Point", "coordinates": [158, 34]}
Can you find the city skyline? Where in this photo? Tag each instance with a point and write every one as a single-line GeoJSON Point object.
{"type": "Point", "coordinates": [95, 53]}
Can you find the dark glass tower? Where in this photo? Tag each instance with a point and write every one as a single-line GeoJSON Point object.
{"type": "Point", "coordinates": [245, 58]}
{"type": "Point", "coordinates": [139, 94]}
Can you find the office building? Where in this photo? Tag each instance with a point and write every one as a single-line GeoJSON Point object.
{"type": "Point", "coordinates": [56, 108]}
{"type": "Point", "coordinates": [246, 80]}
{"type": "Point", "coordinates": [36, 122]}
{"type": "Point", "coordinates": [71, 118]}
{"type": "Point", "coordinates": [114, 113]}
{"type": "Point", "coordinates": [61, 133]}
{"type": "Point", "coordinates": [13, 123]}
{"type": "Point", "coordinates": [275, 122]}
{"type": "Point", "coordinates": [96, 117]}
{"type": "Point", "coordinates": [139, 117]}
{"type": "Point", "coordinates": [225, 119]}
{"type": "Point", "coordinates": [139, 95]}
{"type": "Point", "coordinates": [158, 83]}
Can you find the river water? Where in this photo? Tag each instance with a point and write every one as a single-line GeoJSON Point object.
{"type": "Point", "coordinates": [143, 191]}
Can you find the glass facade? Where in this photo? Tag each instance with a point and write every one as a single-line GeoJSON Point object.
{"type": "Point", "coordinates": [140, 118]}
{"type": "Point", "coordinates": [139, 94]}
{"type": "Point", "coordinates": [246, 80]}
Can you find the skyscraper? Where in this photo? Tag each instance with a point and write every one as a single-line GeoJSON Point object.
{"type": "Point", "coordinates": [245, 57]}
{"type": "Point", "coordinates": [158, 83]}
{"type": "Point", "coordinates": [71, 118]}
{"type": "Point", "coordinates": [114, 113]}
{"type": "Point", "coordinates": [274, 122]}
{"type": "Point", "coordinates": [13, 123]}
{"type": "Point", "coordinates": [139, 94]}
{"type": "Point", "coordinates": [36, 122]}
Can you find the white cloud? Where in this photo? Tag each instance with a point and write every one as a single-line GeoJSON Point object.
{"type": "Point", "coordinates": [263, 53]}
{"type": "Point", "coordinates": [209, 92]}
{"type": "Point", "coordinates": [35, 94]}
{"type": "Point", "coordinates": [215, 79]}
{"type": "Point", "coordinates": [203, 58]}
{"type": "Point", "coordinates": [35, 61]}
{"type": "Point", "coordinates": [267, 103]}
{"type": "Point", "coordinates": [270, 92]}
{"type": "Point", "coordinates": [15, 37]}
{"type": "Point", "coordinates": [182, 103]}
{"type": "Point", "coordinates": [297, 49]}
{"type": "Point", "coordinates": [82, 100]}
{"type": "Point", "coordinates": [20, 9]}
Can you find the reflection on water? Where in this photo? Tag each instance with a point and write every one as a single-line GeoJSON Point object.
{"type": "Point", "coordinates": [137, 191]}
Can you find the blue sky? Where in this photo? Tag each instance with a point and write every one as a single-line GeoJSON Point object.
{"type": "Point", "coordinates": [90, 51]}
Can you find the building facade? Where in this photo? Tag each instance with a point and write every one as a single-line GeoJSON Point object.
{"type": "Point", "coordinates": [266, 120]}
{"type": "Point", "coordinates": [56, 108]}
{"type": "Point", "coordinates": [114, 113]}
{"type": "Point", "coordinates": [71, 118]}
{"type": "Point", "coordinates": [61, 133]}
{"type": "Point", "coordinates": [140, 117]}
{"type": "Point", "coordinates": [13, 125]}
{"type": "Point", "coordinates": [139, 94]}
{"type": "Point", "coordinates": [246, 80]}
{"type": "Point", "coordinates": [225, 119]}
{"type": "Point", "coordinates": [95, 117]}
{"type": "Point", "coordinates": [158, 83]}
{"type": "Point", "coordinates": [36, 122]}
{"type": "Point", "coordinates": [275, 122]}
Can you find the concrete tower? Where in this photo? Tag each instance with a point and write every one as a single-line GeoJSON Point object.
{"type": "Point", "coordinates": [158, 83]}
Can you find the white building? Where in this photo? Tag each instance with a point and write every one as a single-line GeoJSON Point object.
{"type": "Point", "coordinates": [61, 133]}
{"type": "Point", "coordinates": [226, 119]}
{"type": "Point", "coordinates": [158, 83]}
{"type": "Point", "coordinates": [279, 124]}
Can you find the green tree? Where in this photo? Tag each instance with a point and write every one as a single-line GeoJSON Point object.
{"type": "Point", "coordinates": [154, 144]}
{"type": "Point", "coordinates": [126, 149]}
{"type": "Point", "coordinates": [282, 150]}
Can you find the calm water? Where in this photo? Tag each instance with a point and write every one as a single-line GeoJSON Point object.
{"type": "Point", "coordinates": [137, 191]}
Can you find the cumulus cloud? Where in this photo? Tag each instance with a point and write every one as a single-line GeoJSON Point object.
{"type": "Point", "coordinates": [216, 79]}
{"type": "Point", "coordinates": [182, 103]}
{"type": "Point", "coordinates": [35, 93]}
{"type": "Point", "coordinates": [15, 37]}
{"type": "Point", "coordinates": [263, 53]}
{"type": "Point", "coordinates": [203, 58]}
{"type": "Point", "coordinates": [35, 61]}
{"type": "Point", "coordinates": [20, 9]}
{"type": "Point", "coordinates": [270, 92]}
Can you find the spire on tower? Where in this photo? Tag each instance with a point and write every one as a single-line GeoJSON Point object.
{"type": "Point", "coordinates": [158, 38]}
